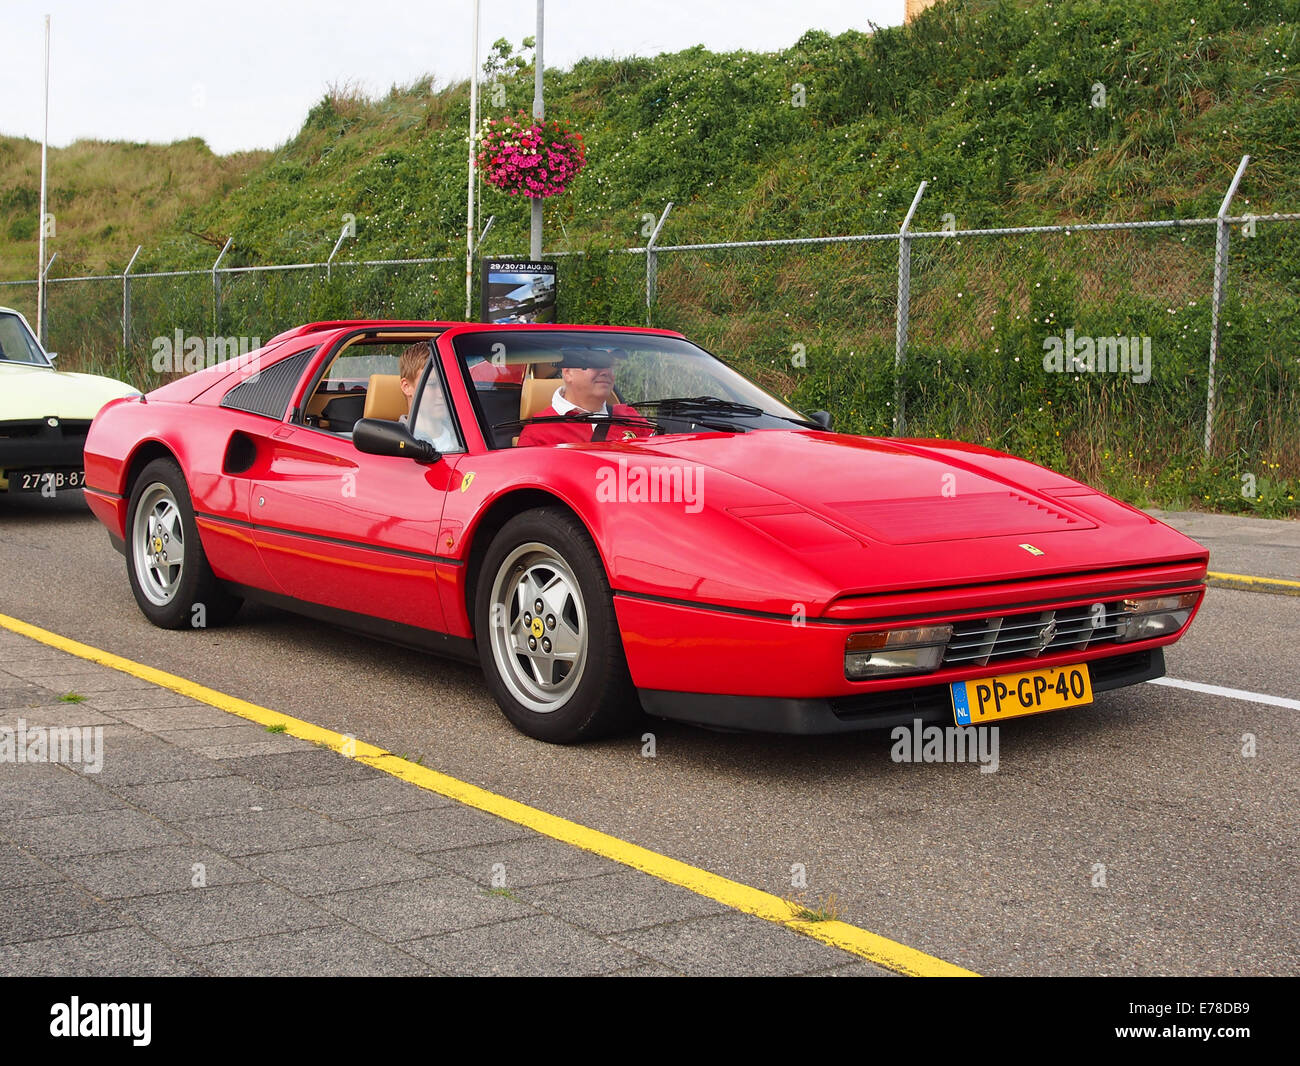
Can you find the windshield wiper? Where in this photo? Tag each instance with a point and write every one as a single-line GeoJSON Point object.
{"type": "Point", "coordinates": [710, 403]}
{"type": "Point", "coordinates": [713, 403]}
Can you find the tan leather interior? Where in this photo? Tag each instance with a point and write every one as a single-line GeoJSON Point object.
{"type": "Point", "coordinates": [384, 397]}
{"type": "Point", "coordinates": [536, 395]}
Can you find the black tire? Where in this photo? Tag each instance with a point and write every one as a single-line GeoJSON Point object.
{"type": "Point", "coordinates": [572, 684]}
{"type": "Point", "coordinates": [174, 586]}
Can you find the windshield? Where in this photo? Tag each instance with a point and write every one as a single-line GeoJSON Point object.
{"type": "Point", "coordinates": [17, 345]}
{"type": "Point", "coordinates": [672, 384]}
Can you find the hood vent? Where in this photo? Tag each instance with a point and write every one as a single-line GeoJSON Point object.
{"type": "Point", "coordinates": [967, 516]}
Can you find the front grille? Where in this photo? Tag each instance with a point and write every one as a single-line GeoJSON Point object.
{"type": "Point", "coordinates": [978, 641]}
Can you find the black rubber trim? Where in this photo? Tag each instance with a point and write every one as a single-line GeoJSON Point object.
{"type": "Point", "coordinates": [103, 492]}
{"type": "Point", "coordinates": [852, 714]}
{"type": "Point", "coordinates": [460, 648]}
{"type": "Point", "coordinates": [319, 538]}
{"type": "Point", "coordinates": [968, 612]}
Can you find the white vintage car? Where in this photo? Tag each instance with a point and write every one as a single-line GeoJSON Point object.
{"type": "Point", "coordinates": [44, 413]}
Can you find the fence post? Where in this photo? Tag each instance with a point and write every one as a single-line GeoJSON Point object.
{"type": "Point", "coordinates": [216, 288]}
{"type": "Point", "coordinates": [904, 301]}
{"type": "Point", "coordinates": [43, 303]}
{"type": "Point", "coordinates": [1220, 274]}
{"type": "Point", "coordinates": [652, 264]}
{"type": "Point", "coordinates": [329, 263]}
{"type": "Point", "coordinates": [126, 301]}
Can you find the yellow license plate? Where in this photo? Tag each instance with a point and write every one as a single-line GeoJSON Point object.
{"type": "Point", "coordinates": [990, 699]}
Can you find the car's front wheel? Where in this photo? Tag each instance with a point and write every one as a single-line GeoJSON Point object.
{"type": "Point", "coordinates": [169, 573]}
{"type": "Point", "coordinates": [548, 637]}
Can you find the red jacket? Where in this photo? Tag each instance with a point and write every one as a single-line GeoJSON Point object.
{"type": "Point", "coordinates": [535, 433]}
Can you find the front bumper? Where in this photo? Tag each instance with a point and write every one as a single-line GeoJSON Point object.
{"type": "Point", "coordinates": [34, 444]}
{"type": "Point", "coordinates": [932, 704]}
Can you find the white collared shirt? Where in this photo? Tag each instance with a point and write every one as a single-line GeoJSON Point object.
{"type": "Point", "coordinates": [563, 407]}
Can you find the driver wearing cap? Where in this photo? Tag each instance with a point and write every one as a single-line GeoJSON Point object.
{"type": "Point", "coordinates": [588, 376]}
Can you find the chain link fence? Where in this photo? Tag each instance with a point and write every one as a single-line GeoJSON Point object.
{"type": "Point", "coordinates": [1087, 348]}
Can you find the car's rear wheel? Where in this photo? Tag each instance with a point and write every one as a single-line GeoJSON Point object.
{"type": "Point", "coordinates": [548, 637]}
{"type": "Point", "coordinates": [168, 570]}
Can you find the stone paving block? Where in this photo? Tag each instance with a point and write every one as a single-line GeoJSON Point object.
{"type": "Point", "coordinates": [540, 946]}
{"type": "Point", "coordinates": [733, 944]}
{"type": "Point", "coordinates": [18, 869]}
{"type": "Point", "coordinates": [299, 768]}
{"type": "Point", "coordinates": [410, 910]}
{"type": "Point", "coordinates": [165, 719]}
{"type": "Point", "coordinates": [329, 952]}
{"type": "Point", "coordinates": [312, 871]}
{"type": "Point", "coordinates": [254, 832]}
{"type": "Point", "coordinates": [620, 901]}
{"type": "Point", "coordinates": [134, 757]}
{"type": "Point", "coordinates": [87, 682]}
{"type": "Point", "coordinates": [34, 790]}
{"type": "Point", "coordinates": [148, 871]}
{"type": "Point", "coordinates": [62, 835]}
{"type": "Point", "coordinates": [528, 860]}
{"type": "Point", "coordinates": [366, 798]}
{"type": "Point", "coordinates": [124, 952]}
{"type": "Point", "coordinates": [223, 912]}
{"type": "Point", "coordinates": [15, 696]}
{"type": "Point", "coordinates": [438, 828]}
{"type": "Point", "coordinates": [136, 698]}
{"type": "Point", "coordinates": [232, 740]}
{"type": "Point", "coordinates": [55, 713]}
{"type": "Point", "coordinates": [43, 911]}
{"type": "Point", "coordinates": [211, 796]}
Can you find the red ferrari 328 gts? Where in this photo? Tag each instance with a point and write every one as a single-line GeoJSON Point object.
{"type": "Point", "coordinates": [702, 551]}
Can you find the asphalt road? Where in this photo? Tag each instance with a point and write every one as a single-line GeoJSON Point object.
{"type": "Point", "coordinates": [998, 872]}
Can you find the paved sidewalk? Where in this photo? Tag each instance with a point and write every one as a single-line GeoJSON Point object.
{"type": "Point", "coordinates": [207, 845]}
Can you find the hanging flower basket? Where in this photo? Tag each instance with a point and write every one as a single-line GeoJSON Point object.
{"type": "Point", "coordinates": [526, 157]}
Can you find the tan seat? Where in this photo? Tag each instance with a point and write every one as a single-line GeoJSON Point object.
{"type": "Point", "coordinates": [385, 398]}
{"type": "Point", "coordinates": [536, 396]}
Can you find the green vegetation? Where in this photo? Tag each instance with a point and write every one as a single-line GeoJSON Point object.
{"type": "Point", "coordinates": [72, 697]}
{"type": "Point", "coordinates": [277, 727]}
{"type": "Point", "coordinates": [995, 104]}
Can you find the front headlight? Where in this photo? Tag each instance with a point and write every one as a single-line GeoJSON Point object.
{"type": "Point", "coordinates": [1157, 616]}
{"type": "Point", "coordinates": [891, 652]}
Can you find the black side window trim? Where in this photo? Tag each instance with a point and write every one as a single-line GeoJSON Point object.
{"type": "Point", "coordinates": [287, 373]}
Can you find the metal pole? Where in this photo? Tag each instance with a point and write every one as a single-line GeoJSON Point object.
{"type": "Point", "coordinates": [469, 193]}
{"type": "Point", "coordinates": [539, 113]}
{"type": "Point", "coordinates": [904, 300]}
{"type": "Point", "coordinates": [42, 296]}
{"type": "Point", "coordinates": [216, 287]}
{"type": "Point", "coordinates": [45, 139]}
{"type": "Point", "coordinates": [1220, 274]}
{"type": "Point", "coordinates": [126, 301]}
{"type": "Point", "coordinates": [652, 263]}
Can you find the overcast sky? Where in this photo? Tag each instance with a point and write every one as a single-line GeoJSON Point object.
{"type": "Point", "coordinates": [243, 73]}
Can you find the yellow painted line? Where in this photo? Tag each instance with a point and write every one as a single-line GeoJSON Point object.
{"type": "Point", "coordinates": [877, 949]}
{"type": "Point", "coordinates": [1253, 584]}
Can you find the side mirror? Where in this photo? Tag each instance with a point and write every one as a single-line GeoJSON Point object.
{"type": "Point", "coordinates": [822, 418]}
{"type": "Point", "coordinates": [378, 436]}
{"type": "Point", "coordinates": [51, 356]}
